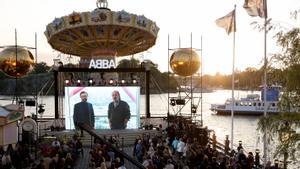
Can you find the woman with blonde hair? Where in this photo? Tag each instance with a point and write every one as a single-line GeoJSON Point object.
{"type": "Point", "coordinates": [103, 166]}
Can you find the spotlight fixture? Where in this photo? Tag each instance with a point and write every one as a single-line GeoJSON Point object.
{"type": "Point", "coordinates": [41, 108]}
{"type": "Point", "coordinates": [194, 109]}
{"type": "Point", "coordinates": [67, 82]}
{"type": "Point", "coordinates": [90, 82]}
{"type": "Point", "coordinates": [78, 82]}
{"type": "Point", "coordinates": [111, 81]}
{"type": "Point", "coordinates": [123, 81]}
{"type": "Point", "coordinates": [134, 81]}
{"type": "Point", "coordinates": [172, 102]}
{"type": "Point", "coordinates": [180, 101]}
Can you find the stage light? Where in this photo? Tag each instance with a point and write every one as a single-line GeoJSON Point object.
{"type": "Point", "coordinates": [78, 82]}
{"type": "Point", "coordinates": [41, 109]}
{"type": "Point", "coordinates": [134, 81]}
{"type": "Point", "coordinates": [90, 82]}
{"type": "Point", "coordinates": [194, 109]}
{"type": "Point", "coordinates": [123, 81]}
{"type": "Point", "coordinates": [67, 82]}
{"type": "Point", "coordinates": [111, 81]}
{"type": "Point", "coordinates": [180, 101]}
{"type": "Point", "coordinates": [172, 102]}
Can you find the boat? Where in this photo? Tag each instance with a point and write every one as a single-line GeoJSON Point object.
{"type": "Point", "coordinates": [252, 104]}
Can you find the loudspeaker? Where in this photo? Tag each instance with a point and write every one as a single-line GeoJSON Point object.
{"type": "Point", "coordinates": [180, 102]}
{"type": "Point", "coordinates": [30, 103]}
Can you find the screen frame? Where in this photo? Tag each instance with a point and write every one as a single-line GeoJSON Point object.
{"type": "Point", "coordinates": [69, 105]}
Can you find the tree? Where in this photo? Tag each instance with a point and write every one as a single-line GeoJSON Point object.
{"type": "Point", "coordinates": [283, 127]}
{"type": "Point", "coordinates": [289, 60]}
{"type": "Point", "coordinates": [41, 67]}
{"type": "Point", "coordinates": [158, 79]}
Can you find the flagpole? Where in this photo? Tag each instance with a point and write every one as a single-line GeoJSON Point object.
{"type": "Point", "coordinates": [232, 83]}
{"type": "Point", "coordinates": [265, 83]}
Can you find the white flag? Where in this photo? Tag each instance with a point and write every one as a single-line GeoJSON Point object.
{"type": "Point", "coordinates": [227, 22]}
{"type": "Point", "coordinates": [256, 8]}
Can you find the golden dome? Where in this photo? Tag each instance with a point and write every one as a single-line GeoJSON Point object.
{"type": "Point", "coordinates": [185, 62]}
{"type": "Point", "coordinates": [16, 65]}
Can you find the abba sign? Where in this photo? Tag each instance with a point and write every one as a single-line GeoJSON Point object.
{"type": "Point", "coordinates": [102, 64]}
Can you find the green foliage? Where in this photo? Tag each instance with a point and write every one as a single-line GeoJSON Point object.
{"type": "Point", "coordinates": [289, 61]}
{"type": "Point", "coordinates": [158, 80]}
{"type": "Point", "coordinates": [283, 127]}
{"type": "Point", "coordinates": [129, 63]}
{"type": "Point", "coordinates": [290, 44]}
{"type": "Point", "coordinates": [41, 67]}
{"type": "Point", "coordinates": [249, 79]}
{"type": "Point", "coordinates": [2, 75]}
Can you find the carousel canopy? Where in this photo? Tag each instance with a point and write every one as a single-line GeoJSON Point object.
{"type": "Point", "coordinates": [101, 32]}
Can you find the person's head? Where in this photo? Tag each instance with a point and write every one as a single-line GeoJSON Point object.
{"type": "Point", "coordinates": [83, 96]}
{"type": "Point", "coordinates": [115, 96]}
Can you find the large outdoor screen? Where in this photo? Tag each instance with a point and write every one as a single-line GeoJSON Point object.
{"type": "Point", "coordinates": [100, 97]}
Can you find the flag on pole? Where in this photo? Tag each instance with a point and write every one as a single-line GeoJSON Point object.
{"type": "Point", "coordinates": [227, 22]}
{"type": "Point", "coordinates": [256, 8]}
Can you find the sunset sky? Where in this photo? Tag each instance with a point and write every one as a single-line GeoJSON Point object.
{"type": "Point", "coordinates": [174, 17]}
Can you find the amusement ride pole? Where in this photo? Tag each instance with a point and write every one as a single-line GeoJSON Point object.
{"type": "Point", "coordinates": [201, 81]}
{"type": "Point", "coordinates": [168, 115]}
{"type": "Point", "coordinates": [36, 79]}
{"type": "Point", "coordinates": [265, 83]}
{"type": "Point", "coordinates": [232, 83]}
{"type": "Point", "coordinates": [191, 88]}
{"type": "Point", "coordinates": [16, 76]}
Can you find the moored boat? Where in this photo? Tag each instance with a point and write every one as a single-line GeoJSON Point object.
{"type": "Point", "coordinates": [253, 104]}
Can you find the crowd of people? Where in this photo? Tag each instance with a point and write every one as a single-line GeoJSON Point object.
{"type": "Point", "coordinates": [185, 150]}
{"type": "Point", "coordinates": [103, 157]}
{"type": "Point", "coordinates": [58, 154]}
{"type": "Point", "coordinates": [180, 146]}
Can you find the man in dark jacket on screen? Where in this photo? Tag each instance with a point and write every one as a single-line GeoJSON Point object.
{"type": "Point", "coordinates": [118, 112]}
{"type": "Point", "coordinates": [83, 112]}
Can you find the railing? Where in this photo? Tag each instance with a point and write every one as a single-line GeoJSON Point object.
{"type": "Point", "coordinates": [90, 130]}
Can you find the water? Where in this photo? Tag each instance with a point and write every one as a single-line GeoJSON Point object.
{"type": "Point", "coordinates": [244, 126]}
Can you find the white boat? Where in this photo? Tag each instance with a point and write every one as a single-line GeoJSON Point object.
{"type": "Point", "coordinates": [251, 105]}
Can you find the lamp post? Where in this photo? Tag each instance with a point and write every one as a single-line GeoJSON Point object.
{"type": "Point", "coordinates": [240, 145]}
{"type": "Point", "coordinates": [276, 163]}
{"type": "Point", "coordinates": [257, 159]}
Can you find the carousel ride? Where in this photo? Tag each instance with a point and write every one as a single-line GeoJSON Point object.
{"type": "Point", "coordinates": [101, 33]}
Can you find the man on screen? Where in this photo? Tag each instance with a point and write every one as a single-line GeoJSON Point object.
{"type": "Point", "coordinates": [83, 112]}
{"type": "Point", "coordinates": [118, 112]}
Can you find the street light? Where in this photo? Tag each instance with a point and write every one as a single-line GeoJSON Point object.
{"type": "Point", "coordinates": [257, 158]}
